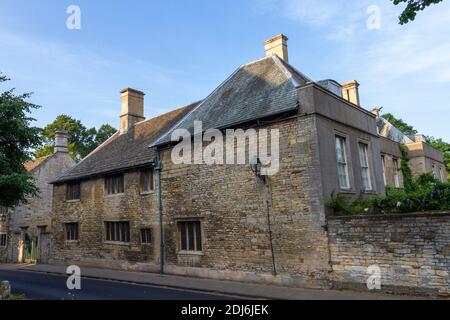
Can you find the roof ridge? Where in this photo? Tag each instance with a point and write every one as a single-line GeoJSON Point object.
{"type": "Point", "coordinates": [285, 70]}
{"type": "Point", "coordinates": [42, 160]}
{"type": "Point", "coordinates": [167, 112]}
{"type": "Point", "coordinates": [286, 65]}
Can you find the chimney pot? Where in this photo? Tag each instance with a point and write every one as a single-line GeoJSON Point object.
{"type": "Point", "coordinates": [277, 45]}
{"type": "Point", "coordinates": [61, 141]}
{"type": "Point", "coordinates": [132, 108]}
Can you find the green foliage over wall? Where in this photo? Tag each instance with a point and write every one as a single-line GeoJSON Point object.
{"type": "Point", "coordinates": [426, 194]}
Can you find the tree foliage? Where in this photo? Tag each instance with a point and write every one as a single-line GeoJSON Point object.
{"type": "Point", "coordinates": [400, 124]}
{"type": "Point", "coordinates": [17, 139]}
{"type": "Point", "coordinates": [445, 148]}
{"type": "Point", "coordinates": [412, 8]}
{"type": "Point", "coordinates": [427, 194]}
{"type": "Point", "coordinates": [82, 140]}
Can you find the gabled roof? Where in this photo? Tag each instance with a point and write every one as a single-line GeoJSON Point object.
{"type": "Point", "coordinates": [33, 164]}
{"type": "Point", "coordinates": [256, 90]}
{"type": "Point", "coordinates": [125, 151]}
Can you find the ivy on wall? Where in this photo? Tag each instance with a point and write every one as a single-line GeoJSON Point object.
{"type": "Point", "coordinates": [408, 180]}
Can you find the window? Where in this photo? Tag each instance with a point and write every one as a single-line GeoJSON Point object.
{"type": "Point", "coordinates": [396, 177]}
{"type": "Point", "coordinates": [190, 236]}
{"type": "Point", "coordinates": [71, 231]}
{"type": "Point", "coordinates": [441, 174]}
{"type": "Point", "coordinates": [147, 182]}
{"type": "Point", "coordinates": [383, 163]}
{"type": "Point", "coordinates": [117, 231]}
{"type": "Point", "coordinates": [433, 170]}
{"type": "Point", "coordinates": [341, 156]}
{"type": "Point", "coordinates": [114, 184]}
{"type": "Point", "coordinates": [73, 191]}
{"type": "Point", "coordinates": [3, 240]}
{"type": "Point", "coordinates": [146, 236]}
{"type": "Point", "coordinates": [365, 168]}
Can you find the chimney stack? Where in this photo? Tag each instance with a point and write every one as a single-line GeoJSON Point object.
{"type": "Point", "coordinates": [277, 45]}
{"type": "Point", "coordinates": [350, 92]}
{"type": "Point", "coordinates": [377, 112]}
{"type": "Point", "coordinates": [61, 141]}
{"type": "Point", "coordinates": [132, 108]}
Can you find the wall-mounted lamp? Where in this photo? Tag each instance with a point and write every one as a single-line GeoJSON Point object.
{"type": "Point", "coordinates": [256, 166]}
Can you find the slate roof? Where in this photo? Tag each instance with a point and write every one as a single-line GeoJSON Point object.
{"type": "Point", "coordinates": [388, 130]}
{"type": "Point", "coordinates": [256, 90]}
{"type": "Point", "coordinates": [33, 164]}
{"type": "Point", "coordinates": [125, 151]}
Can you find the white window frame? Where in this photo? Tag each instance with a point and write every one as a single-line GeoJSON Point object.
{"type": "Point", "coordinates": [365, 167]}
{"type": "Point", "coordinates": [383, 163]}
{"type": "Point", "coordinates": [396, 176]}
{"type": "Point", "coordinates": [338, 137]}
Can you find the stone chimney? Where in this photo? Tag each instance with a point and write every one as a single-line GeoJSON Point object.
{"type": "Point", "coordinates": [61, 141]}
{"type": "Point", "coordinates": [377, 112]}
{"type": "Point", "coordinates": [350, 92]}
{"type": "Point", "coordinates": [132, 108]}
{"type": "Point", "coordinates": [277, 45]}
{"type": "Point", "coordinates": [420, 138]}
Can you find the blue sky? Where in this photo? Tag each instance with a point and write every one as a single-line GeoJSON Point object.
{"type": "Point", "coordinates": [179, 51]}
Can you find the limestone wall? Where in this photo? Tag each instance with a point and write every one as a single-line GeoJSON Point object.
{"type": "Point", "coordinates": [412, 251]}
{"type": "Point", "coordinates": [230, 202]}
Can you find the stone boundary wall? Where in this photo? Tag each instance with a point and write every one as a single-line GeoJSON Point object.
{"type": "Point", "coordinates": [411, 250]}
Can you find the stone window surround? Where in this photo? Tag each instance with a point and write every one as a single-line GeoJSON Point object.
{"type": "Point", "coordinates": [112, 177]}
{"type": "Point", "coordinates": [68, 185]}
{"type": "Point", "coordinates": [345, 136]}
{"type": "Point", "coordinates": [203, 237]}
{"type": "Point", "coordinates": [117, 243]}
{"type": "Point", "coordinates": [72, 223]}
{"type": "Point", "coordinates": [5, 235]}
{"type": "Point", "coordinates": [370, 160]}
{"type": "Point", "coordinates": [150, 242]}
{"type": "Point", "coordinates": [152, 190]}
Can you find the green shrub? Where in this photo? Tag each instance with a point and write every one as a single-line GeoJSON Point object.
{"type": "Point", "coordinates": [424, 194]}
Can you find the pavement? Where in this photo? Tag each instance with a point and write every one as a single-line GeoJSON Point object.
{"type": "Point", "coordinates": [206, 288]}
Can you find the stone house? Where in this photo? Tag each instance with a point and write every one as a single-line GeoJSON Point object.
{"type": "Point", "coordinates": [25, 230]}
{"type": "Point", "coordinates": [112, 220]}
{"type": "Point", "coordinates": [423, 158]}
{"type": "Point", "coordinates": [139, 210]}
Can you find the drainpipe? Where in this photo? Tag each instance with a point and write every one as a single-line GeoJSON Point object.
{"type": "Point", "coordinates": [160, 214]}
{"type": "Point", "coordinates": [269, 224]}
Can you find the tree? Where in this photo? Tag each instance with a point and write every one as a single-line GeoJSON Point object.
{"type": "Point", "coordinates": [445, 148]}
{"type": "Point", "coordinates": [400, 124]}
{"type": "Point", "coordinates": [104, 133]}
{"type": "Point", "coordinates": [82, 140]}
{"type": "Point", "coordinates": [412, 8]}
{"type": "Point", "coordinates": [17, 138]}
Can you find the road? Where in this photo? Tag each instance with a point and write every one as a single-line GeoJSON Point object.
{"type": "Point", "coordinates": [38, 286]}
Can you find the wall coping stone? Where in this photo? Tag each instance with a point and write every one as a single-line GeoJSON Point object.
{"type": "Point", "coordinates": [392, 216]}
